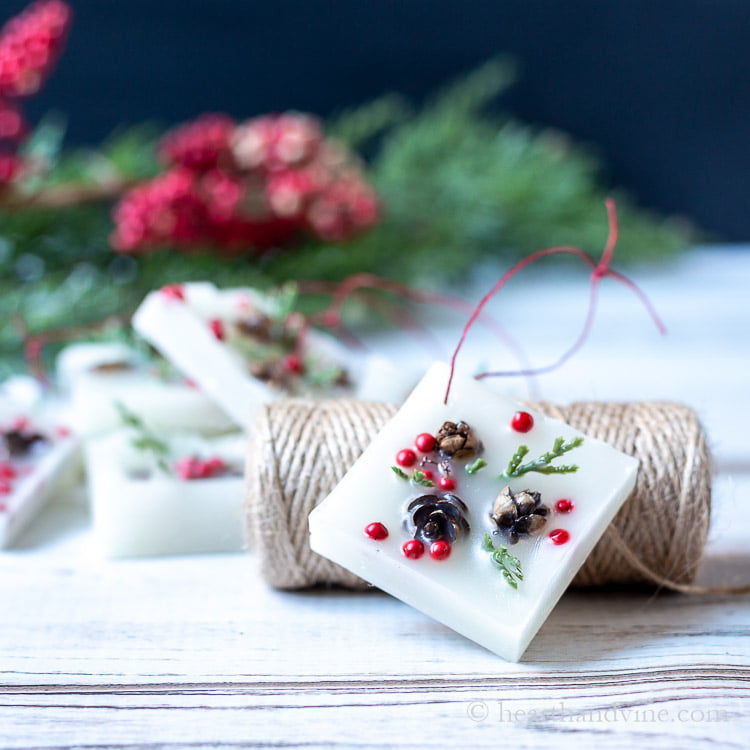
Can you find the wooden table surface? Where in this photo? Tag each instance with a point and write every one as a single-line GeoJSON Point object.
{"type": "Point", "coordinates": [196, 652]}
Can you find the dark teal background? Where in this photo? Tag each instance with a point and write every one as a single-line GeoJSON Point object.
{"type": "Point", "coordinates": [660, 87]}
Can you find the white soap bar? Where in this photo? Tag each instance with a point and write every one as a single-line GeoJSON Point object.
{"type": "Point", "coordinates": [461, 582]}
{"type": "Point", "coordinates": [38, 454]}
{"type": "Point", "coordinates": [222, 338]}
{"type": "Point", "coordinates": [95, 376]}
{"type": "Point", "coordinates": [139, 510]}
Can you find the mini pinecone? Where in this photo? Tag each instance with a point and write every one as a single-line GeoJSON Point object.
{"type": "Point", "coordinates": [16, 443]}
{"type": "Point", "coordinates": [433, 517]}
{"type": "Point", "coordinates": [457, 440]}
{"type": "Point", "coordinates": [519, 514]}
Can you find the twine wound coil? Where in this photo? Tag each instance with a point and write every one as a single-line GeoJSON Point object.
{"type": "Point", "coordinates": [301, 450]}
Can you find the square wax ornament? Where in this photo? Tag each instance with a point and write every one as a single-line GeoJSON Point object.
{"type": "Point", "coordinates": [97, 376]}
{"type": "Point", "coordinates": [243, 348]}
{"type": "Point", "coordinates": [184, 499]}
{"type": "Point", "coordinates": [478, 513]}
{"type": "Point", "coordinates": [38, 456]}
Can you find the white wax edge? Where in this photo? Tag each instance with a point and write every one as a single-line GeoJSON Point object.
{"type": "Point", "coordinates": [187, 342]}
{"type": "Point", "coordinates": [33, 491]}
{"type": "Point", "coordinates": [160, 515]}
{"type": "Point", "coordinates": [389, 573]}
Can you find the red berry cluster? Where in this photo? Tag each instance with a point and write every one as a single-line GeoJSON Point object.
{"type": "Point", "coordinates": [424, 443]}
{"type": "Point", "coordinates": [30, 44]}
{"type": "Point", "coordinates": [192, 467]}
{"type": "Point", "coordinates": [254, 185]}
{"type": "Point", "coordinates": [7, 475]}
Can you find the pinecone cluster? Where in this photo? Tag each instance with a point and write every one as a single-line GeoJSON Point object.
{"type": "Point", "coordinates": [30, 44]}
{"type": "Point", "coordinates": [519, 514]}
{"type": "Point", "coordinates": [457, 440]}
{"type": "Point", "coordinates": [433, 518]}
{"type": "Point", "coordinates": [254, 185]}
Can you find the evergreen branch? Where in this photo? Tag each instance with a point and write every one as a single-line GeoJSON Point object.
{"type": "Point", "coordinates": [542, 465]}
{"type": "Point", "coordinates": [510, 565]}
{"type": "Point", "coordinates": [399, 473]}
{"type": "Point", "coordinates": [145, 440]}
{"type": "Point", "coordinates": [357, 126]}
{"type": "Point", "coordinates": [419, 478]}
{"type": "Point", "coordinates": [473, 468]}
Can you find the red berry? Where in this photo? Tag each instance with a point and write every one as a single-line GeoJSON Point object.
{"type": "Point", "coordinates": [293, 363]}
{"type": "Point", "coordinates": [173, 291]}
{"type": "Point", "coordinates": [189, 467]}
{"type": "Point", "coordinates": [5, 487]}
{"type": "Point", "coordinates": [564, 506]}
{"type": "Point", "coordinates": [428, 474]}
{"type": "Point", "coordinates": [447, 483]}
{"type": "Point", "coordinates": [21, 424]}
{"type": "Point", "coordinates": [201, 144]}
{"type": "Point", "coordinates": [407, 457]}
{"type": "Point", "coordinates": [7, 471]}
{"type": "Point", "coordinates": [424, 442]}
{"type": "Point", "coordinates": [440, 550]}
{"type": "Point", "coordinates": [376, 531]}
{"type": "Point", "coordinates": [62, 431]}
{"type": "Point", "coordinates": [413, 549]}
{"type": "Point", "coordinates": [217, 328]}
{"type": "Point", "coordinates": [522, 421]}
{"type": "Point", "coordinates": [559, 536]}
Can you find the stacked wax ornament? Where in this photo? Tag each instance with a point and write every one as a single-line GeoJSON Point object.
{"type": "Point", "coordinates": [165, 437]}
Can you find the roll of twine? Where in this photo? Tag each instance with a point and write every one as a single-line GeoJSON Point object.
{"type": "Point", "coordinates": [301, 450]}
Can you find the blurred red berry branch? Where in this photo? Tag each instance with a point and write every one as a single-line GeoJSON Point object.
{"type": "Point", "coordinates": [30, 44]}
{"type": "Point", "coordinates": [259, 184]}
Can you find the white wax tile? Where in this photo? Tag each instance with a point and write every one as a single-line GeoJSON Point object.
{"type": "Point", "coordinates": [181, 330]}
{"type": "Point", "coordinates": [467, 591]}
{"type": "Point", "coordinates": [29, 476]}
{"type": "Point", "coordinates": [96, 376]}
{"type": "Point", "coordinates": [139, 510]}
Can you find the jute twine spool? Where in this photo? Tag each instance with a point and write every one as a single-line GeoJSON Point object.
{"type": "Point", "coordinates": [302, 449]}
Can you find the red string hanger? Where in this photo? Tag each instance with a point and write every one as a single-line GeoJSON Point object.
{"type": "Point", "coordinates": [599, 270]}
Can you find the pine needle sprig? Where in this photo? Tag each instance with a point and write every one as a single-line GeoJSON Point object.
{"type": "Point", "coordinates": [145, 440]}
{"type": "Point", "coordinates": [543, 464]}
{"type": "Point", "coordinates": [509, 565]}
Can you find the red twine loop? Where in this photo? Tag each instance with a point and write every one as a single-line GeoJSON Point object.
{"type": "Point", "coordinates": [599, 271]}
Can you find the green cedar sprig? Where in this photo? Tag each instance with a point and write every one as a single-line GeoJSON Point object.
{"type": "Point", "coordinates": [473, 468]}
{"type": "Point", "coordinates": [145, 440]}
{"type": "Point", "coordinates": [417, 477]}
{"type": "Point", "coordinates": [510, 565]}
{"type": "Point", "coordinates": [542, 465]}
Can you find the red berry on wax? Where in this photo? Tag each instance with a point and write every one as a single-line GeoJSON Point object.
{"type": "Point", "coordinates": [407, 457]}
{"type": "Point", "coordinates": [447, 483]}
{"type": "Point", "coordinates": [559, 536]}
{"type": "Point", "coordinates": [427, 474]}
{"type": "Point", "coordinates": [7, 472]}
{"type": "Point", "coordinates": [62, 431]}
{"type": "Point", "coordinates": [440, 550]}
{"type": "Point", "coordinates": [20, 423]}
{"type": "Point", "coordinates": [413, 549]}
{"type": "Point", "coordinates": [522, 421]}
{"type": "Point", "coordinates": [424, 442]}
{"type": "Point", "coordinates": [293, 363]}
{"type": "Point", "coordinates": [564, 506]}
{"type": "Point", "coordinates": [173, 292]}
{"type": "Point", "coordinates": [217, 328]}
{"type": "Point", "coordinates": [5, 487]}
{"type": "Point", "coordinates": [376, 531]}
